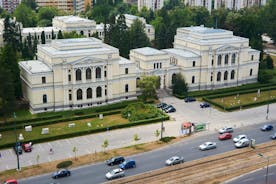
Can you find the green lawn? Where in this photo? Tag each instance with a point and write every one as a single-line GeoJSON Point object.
{"type": "Point", "coordinates": [62, 128]}
{"type": "Point", "coordinates": [230, 101]}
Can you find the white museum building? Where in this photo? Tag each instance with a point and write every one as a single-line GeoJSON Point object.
{"type": "Point", "coordinates": [84, 72]}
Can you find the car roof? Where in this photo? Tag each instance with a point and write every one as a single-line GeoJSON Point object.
{"type": "Point", "coordinates": [175, 157]}
{"type": "Point", "coordinates": [117, 169]}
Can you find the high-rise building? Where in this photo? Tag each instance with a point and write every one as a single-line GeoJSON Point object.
{"type": "Point", "coordinates": [228, 4]}
{"type": "Point", "coordinates": [76, 6]}
{"type": "Point", "coordinates": [150, 4]}
{"type": "Point", "coordinates": [9, 5]}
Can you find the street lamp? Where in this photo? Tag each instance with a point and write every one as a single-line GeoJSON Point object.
{"type": "Point", "coordinates": [16, 145]}
{"type": "Point", "coordinates": [267, 108]}
{"type": "Point", "coordinates": [266, 175]}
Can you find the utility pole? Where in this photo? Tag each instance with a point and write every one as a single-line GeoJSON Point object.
{"type": "Point", "coordinates": [16, 145]}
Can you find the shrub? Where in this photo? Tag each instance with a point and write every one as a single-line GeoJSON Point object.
{"type": "Point", "coordinates": [167, 139]}
{"type": "Point", "coordinates": [64, 164]}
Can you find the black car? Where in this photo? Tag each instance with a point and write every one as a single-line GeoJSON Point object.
{"type": "Point", "coordinates": [61, 173]}
{"type": "Point", "coordinates": [189, 99]}
{"type": "Point", "coordinates": [18, 148]}
{"type": "Point", "coordinates": [171, 109]}
{"type": "Point", "coordinates": [161, 105]}
{"type": "Point", "coordinates": [204, 105]}
{"type": "Point", "coordinates": [115, 160]}
{"type": "Point", "coordinates": [267, 128]}
{"type": "Point", "coordinates": [167, 107]}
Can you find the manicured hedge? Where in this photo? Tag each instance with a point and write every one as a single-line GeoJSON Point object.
{"type": "Point", "coordinates": [48, 122]}
{"type": "Point", "coordinates": [80, 133]}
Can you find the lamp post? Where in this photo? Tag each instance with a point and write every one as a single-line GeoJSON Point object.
{"type": "Point", "coordinates": [266, 174]}
{"type": "Point", "coordinates": [16, 145]}
{"type": "Point", "coordinates": [267, 107]}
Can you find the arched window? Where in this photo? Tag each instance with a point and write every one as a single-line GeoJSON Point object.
{"type": "Point", "coordinates": [98, 73]}
{"type": "Point", "coordinates": [78, 74]}
{"type": "Point", "coordinates": [173, 78]}
{"type": "Point", "coordinates": [126, 88]}
{"type": "Point", "coordinates": [232, 74]}
{"type": "Point", "coordinates": [79, 94]}
{"type": "Point", "coordinates": [99, 92]}
{"type": "Point", "coordinates": [88, 74]}
{"type": "Point", "coordinates": [225, 75]}
{"type": "Point", "coordinates": [219, 60]}
{"type": "Point", "coordinates": [81, 32]}
{"type": "Point", "coordinates": [251, 71]}
{"type": "Point", "coordinates": [89, 93]}
{"type": "Point", "coordinates": [137, 82]}
{"type": "Point", "coordinates": [218, 76]}
{"type": "Point", "coordinates": [233, 58]}
{"type": "Point", "coordinates": [193, 79]}
{"type": "Point", "coordinates": [226, 59]}
{"type": "Point", "coordinates": [44, 98]}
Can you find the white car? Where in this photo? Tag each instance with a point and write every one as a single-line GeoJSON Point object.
{"type": "Point", "coordinates": [242, 143]}
{"type": "Point", "coordinates": [115, 173]}
{"type": "Point", "coordinates": [226, 130]}
{"type": "Point", "coordinates": [174, 160]}
{"type": "Point", "coordinates": [239, 137]}
{"type": "Point", "coordinates": [207, 146]}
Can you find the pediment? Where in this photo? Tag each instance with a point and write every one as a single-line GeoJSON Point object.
{"type": "Point", "coordinates": [226, 48]}
{"type": "Point", "coordinates": [87, 61]}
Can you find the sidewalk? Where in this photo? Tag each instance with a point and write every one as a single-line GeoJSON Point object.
{"type": "Point", "coordinates": [124, 137]}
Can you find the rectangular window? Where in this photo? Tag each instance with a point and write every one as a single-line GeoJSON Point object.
{"type": "Point", "coordinates": [126, 70]}
{"type": "Point", "coordinates": [252, 57]}
{"type": "Point", "coordinates": [70, 97]}
{"type": "Point", "coordinates": [160, 65]}
{"type": "Point", "coordinates": [105, 92]}
{"type": "Point", "coordinates": [105, 73]}
{"type": "Point", "coordinates": [43, 80]}
{"type": "Point", "coordinates": [194, 63]}
{"type": "Point", "coordinates": [212, 62]}
{"type": "Point", "coordinates": [69, 78]}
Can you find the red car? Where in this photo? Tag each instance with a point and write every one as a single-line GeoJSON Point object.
{"type": "Point", "coordinates": [27, 147]}
{"type": "Point", "coordinates": [225, 136]}
{"type": "Point", "coordinates": [10, 182]}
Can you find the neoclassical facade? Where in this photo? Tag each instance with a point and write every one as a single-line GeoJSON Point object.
{"type": "Point", "coordinates": [76, 73]}
{"type": "Point", "coordinates": [84, 72]}
{"type": "Point", "coordinates": [207, 58]}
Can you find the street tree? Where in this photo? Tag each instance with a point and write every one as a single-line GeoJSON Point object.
{"type": "Point", "coordinates": [75, 151]}
{"type": "Point", "coordinates": [180, 87]}
{"type": "Point", "coordinates": [157, 133]}
{"type": "Point", "coordinates": [11, 33]}
{"type": "Point", "coordinates": [137, 35]}
{"type": "Point", "coordinates": [105, 144]}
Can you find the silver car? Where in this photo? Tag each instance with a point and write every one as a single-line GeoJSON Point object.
{"type": "Point", "coordinates": [239, 137]}
{"type": "Point", "coordinates": [115, 173]}
{"type": "Point", "coordinates": [226, 130]}
{"type": "Point", "coordinates": [242, 143]}
{"type": "Point", "coordinates": [174, 160]}
{"type": "Point", "coordinates": [207, 146]}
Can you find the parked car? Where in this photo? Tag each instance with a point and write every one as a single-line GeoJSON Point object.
{"type": "Point", "coordinates": [12, 181]}
{"type": "Point", "coordinates": [27, 147]}
{"type": "Point", "coordinates": [115, 160]}
{"type": "Point", "coordinates": [242, 143]}
{"type": "Point", "coordinates": [267, 128]}
{"type": "Point", "coordinates": [225, 136]}
{"type": "Point", "coordinates": [207, 146]}
{"type": "Point", "coordinates": [161, 105]}
{"type": "Point", "coordinates": [18, 148]}
{"type": "Point", "coordinates": [115, 173]}
{"type": "Point", "coordinates": [189, 99]}
{"type": "Point", "coordinates": [127, 164]}
{"type": "Point", "coordinates": [61, 173]}
{"type": "Point", "coordinates": [169, 110]}
{"type": "Point", "coordinates": [239, 137]}
{"type": "Point", "coordinates": [204, 105]}
{"type": "Point", "coordinates": [174, 160]}
{"type": "Point", "coordinates": [226, 130]}
{"type": "Point", "coordinates": [167, 107]}
{"type": "Point", "coordinates": [273, 136]}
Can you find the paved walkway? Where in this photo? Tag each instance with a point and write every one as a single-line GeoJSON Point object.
{"type": "Point", "coordinates": [124, 137]}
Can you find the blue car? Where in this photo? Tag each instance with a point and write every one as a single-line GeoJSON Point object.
{"type": "Point", "coordinates": [61, 173]}
{"type": "Point", "coordinates": [204, 105]}
{"type": "Point", "coordinates": [267, 128]}
{"type": "Point", "coordinates": [128, 164]}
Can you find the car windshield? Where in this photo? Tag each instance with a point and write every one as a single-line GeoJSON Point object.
{"type": "Point", "coordinates": [172, 159]}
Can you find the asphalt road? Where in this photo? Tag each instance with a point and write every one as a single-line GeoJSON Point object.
{"type": "Point", "coordinates": [258, 177]}
{"type": "Point", "coordinates": [152, 160]}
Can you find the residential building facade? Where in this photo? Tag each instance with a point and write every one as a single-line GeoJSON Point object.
{"type": "Point", "coordinates": [84, 72]}
{"type": "Point", "coordinates": [9, 5]}
{"type": "Point", "coordinates": [150, 4]}
{"type": "Point", "coordinates": [69, 6]}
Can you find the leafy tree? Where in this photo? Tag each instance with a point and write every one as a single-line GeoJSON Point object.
{"type": "Point", "coordinates": [136, 137]}
{"type": "Point", "coordinates": [268, 19]}
{"type": "Point", "coordinates": [43, 38]}
{"type": "Point", "coordinates": [171, 4]}
{"type": "Point", "coordinates": [95, 35]}
{"type": "Point", "coordinates": [105, 144]}
{"type": "Point", "coordinates": [179, 85]}
{"type": "Point", "coordinates": [72, 34]}
{"type": "Point", "coordinates": [9, 59]}
{"type": "Point", "coordinates": [30, 3]}
{"type": "Point", "coordinates": [60, 35]}
{"type": "Point", "coordinates": [53, 35]}
{"type": "Point", "coordinates": [45, 15]}
{"type": "Point", "coordinates": [137, 35]}
{"type": "Point", "coordinates": [157, 133]}
{"type": "Point", "coordinates": [75, 151]}
{"type": "Point", "coordinates": [200, 16]}
{"type": "Point", "coordinates": [269, 62]}
{"type": "Point", "coordinates": [25, 15]}
{"type": "Point", "coordinates": [148, 85]}
{"type": "Point", "coordinates": [11, 33]}
{"type": "Point", "coordinates": [264, 76]}
{"type": "Point", "coordinates": [35, 42]}
{"type": "Point", "coordinates": [7, 94]}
